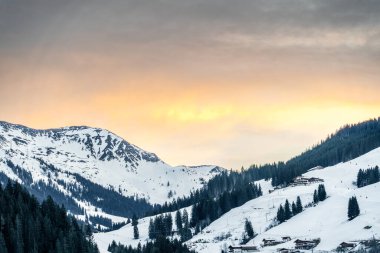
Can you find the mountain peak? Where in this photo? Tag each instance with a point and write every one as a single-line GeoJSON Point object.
{"type": "Point", "coordinates": [97, 155]}
{"type": "Point", "coordinates": [100, 143]}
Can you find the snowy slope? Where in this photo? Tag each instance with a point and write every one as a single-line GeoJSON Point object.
{"type": "Point", "coordinates": [327, 220]}
{"type": "Point", "coordinates": [60, 157]}
{"type": "Point", "coordinates": [124, 235]}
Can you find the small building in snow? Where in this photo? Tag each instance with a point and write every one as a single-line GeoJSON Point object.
{"type": "Point", "coordinates": [242, 249]}
{"type": "Point", "coordinates": [270, 242]}
{"type": "Point", "coordinates": [284, 250]}
{"type": "Point", "coordinates": [347, 245]}
{"type": "Point", "coordinates": [306, 244]}
{"type": "Point", "coordinates": [305, 181]}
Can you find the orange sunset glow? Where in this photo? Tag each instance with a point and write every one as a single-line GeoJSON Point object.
{"type": "Point", "coordinates": [196, 83]}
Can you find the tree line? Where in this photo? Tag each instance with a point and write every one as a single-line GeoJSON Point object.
{"type": "Point", "coordinates": [368, 176]}
{"type": "Point", "coordinates": [162, 226]}
{"type": "Point", "coordinates": [320, 194]}
{"type": "Point", "coordinates": [286, 211]}
{"type": "Point", "coordinates": [26, 226]}
{"type": "Point", "coordinates": [206, 211]}
{"type": "Point", "coordinates": [347, 143]}
{"type": "Point", "coordinates": [161, 245]}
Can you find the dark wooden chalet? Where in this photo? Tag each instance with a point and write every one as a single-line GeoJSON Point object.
{"type": "Point", "coordinates": [306, 244]}
{"type": "Point", "coordinates": [242, 249]}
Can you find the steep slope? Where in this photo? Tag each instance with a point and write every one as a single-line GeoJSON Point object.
{"type": "Point", "coordinates": [327, 220]}
{"type": "Point", "coordinates": [93, 169]}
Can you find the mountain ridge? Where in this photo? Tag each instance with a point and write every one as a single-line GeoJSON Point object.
{"type": "Point", "coordinates": [73, 162]}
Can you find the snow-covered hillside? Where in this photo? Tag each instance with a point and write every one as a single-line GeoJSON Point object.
{"type": "Point", "coordinates": [69, 158]}
{"type": "Point", "coordinates": [327, 220]}
{"type": "Point", "coordinates": [124, 235]}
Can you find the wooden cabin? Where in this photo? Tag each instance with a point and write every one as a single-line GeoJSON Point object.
{"type": "Point", "coordinates": [284, 250]}
{"type": "Point", "coordinates": [270, 242]}
{"type": "Point", "coordinates": [306, 244]}
{"type": "Point", "coordinates": [347, 245]}
{"type": "Point", "coordinates": [242, 249]}
{"type": "Point", "coordinates": [306, 181]}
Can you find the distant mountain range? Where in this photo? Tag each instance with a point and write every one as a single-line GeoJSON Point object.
{"type": "Point", "coordinates": [92, 171]}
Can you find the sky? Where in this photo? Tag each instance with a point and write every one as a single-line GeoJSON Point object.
{"type": "Point", "coordinates": [222, 82]}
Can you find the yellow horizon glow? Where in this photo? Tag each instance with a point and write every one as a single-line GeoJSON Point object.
{"type": "Point", "coordinates": [192, 126]}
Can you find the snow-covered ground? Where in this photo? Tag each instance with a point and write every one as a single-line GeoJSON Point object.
{"type": "Point", "coordinates": [327, 220]}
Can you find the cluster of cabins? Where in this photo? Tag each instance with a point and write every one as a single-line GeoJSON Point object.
{"type": "Point", "coordinates": [301, 181]}
{"type": "Point", "coordinates": [351, 246]}
{"type": "Point", "coordinates": [301, 245]}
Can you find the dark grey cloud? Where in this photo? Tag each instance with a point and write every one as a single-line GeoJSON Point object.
{"type": "Point", "coordinates": [24, 21]}
{"type": "Point", "coordinates": [185, 34]}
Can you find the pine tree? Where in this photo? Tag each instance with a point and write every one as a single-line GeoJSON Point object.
{"type": "Point", "coordinates": [178, 220]}
{"type": "Point", "coordinates": [168, 224]}
{"type": "Point", "coordinates": [315, 197]}
{"type": "Point", "coordinates": [151, 230]}
{"type": "Point", "coordinates": [350, 209]}
{"type": "Point", "coordinates": [185, 234]}
{"type": "Point", "coordinates": [135, 221]}
{"type": "Point", "coordinates": [356, 208]}
{"type": "Point", "coordinates": [185, 219]}
{"type": "Point", "coordinates": [288, 212]}
{"type": "Point", "coordinates": [19, 238]}
{"type": "Point", "coordinates": [376, 174]}
{"type": "Point", "coordinates": [249, 229]}
{"type": "Point", "coordinates": [281, 214]}
{"type": "Point", "coordinates": [112, 246]}
{"type": "Point", "coordinates": [136, 232]}
{"type": "Point", "coordinates": [353, 208]}
{"type": "Point", "coordinates": [197, 229]}
{"type": "Point", "coordinates": [194, 215]}
{"type": "Point", "coordinates": [321, 192]}
{"type": "Point", "coordinates": [58, 246]}
{"type": "Point", "coordinates": [139, 248]}
{"type": "Point", "coordinates": [294, 209]}
{"type": "Point", "coordinates": [299, 205]}
{"type": "Point", "coordinates": [3, 246]}
{"type": "Point", "coordinates": [359, 179]}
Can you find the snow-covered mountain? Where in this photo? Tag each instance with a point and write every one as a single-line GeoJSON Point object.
{"type": "Point", "coordinates": [93, 169]}
{"type": "Point", "coordinates": [326, 220]}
